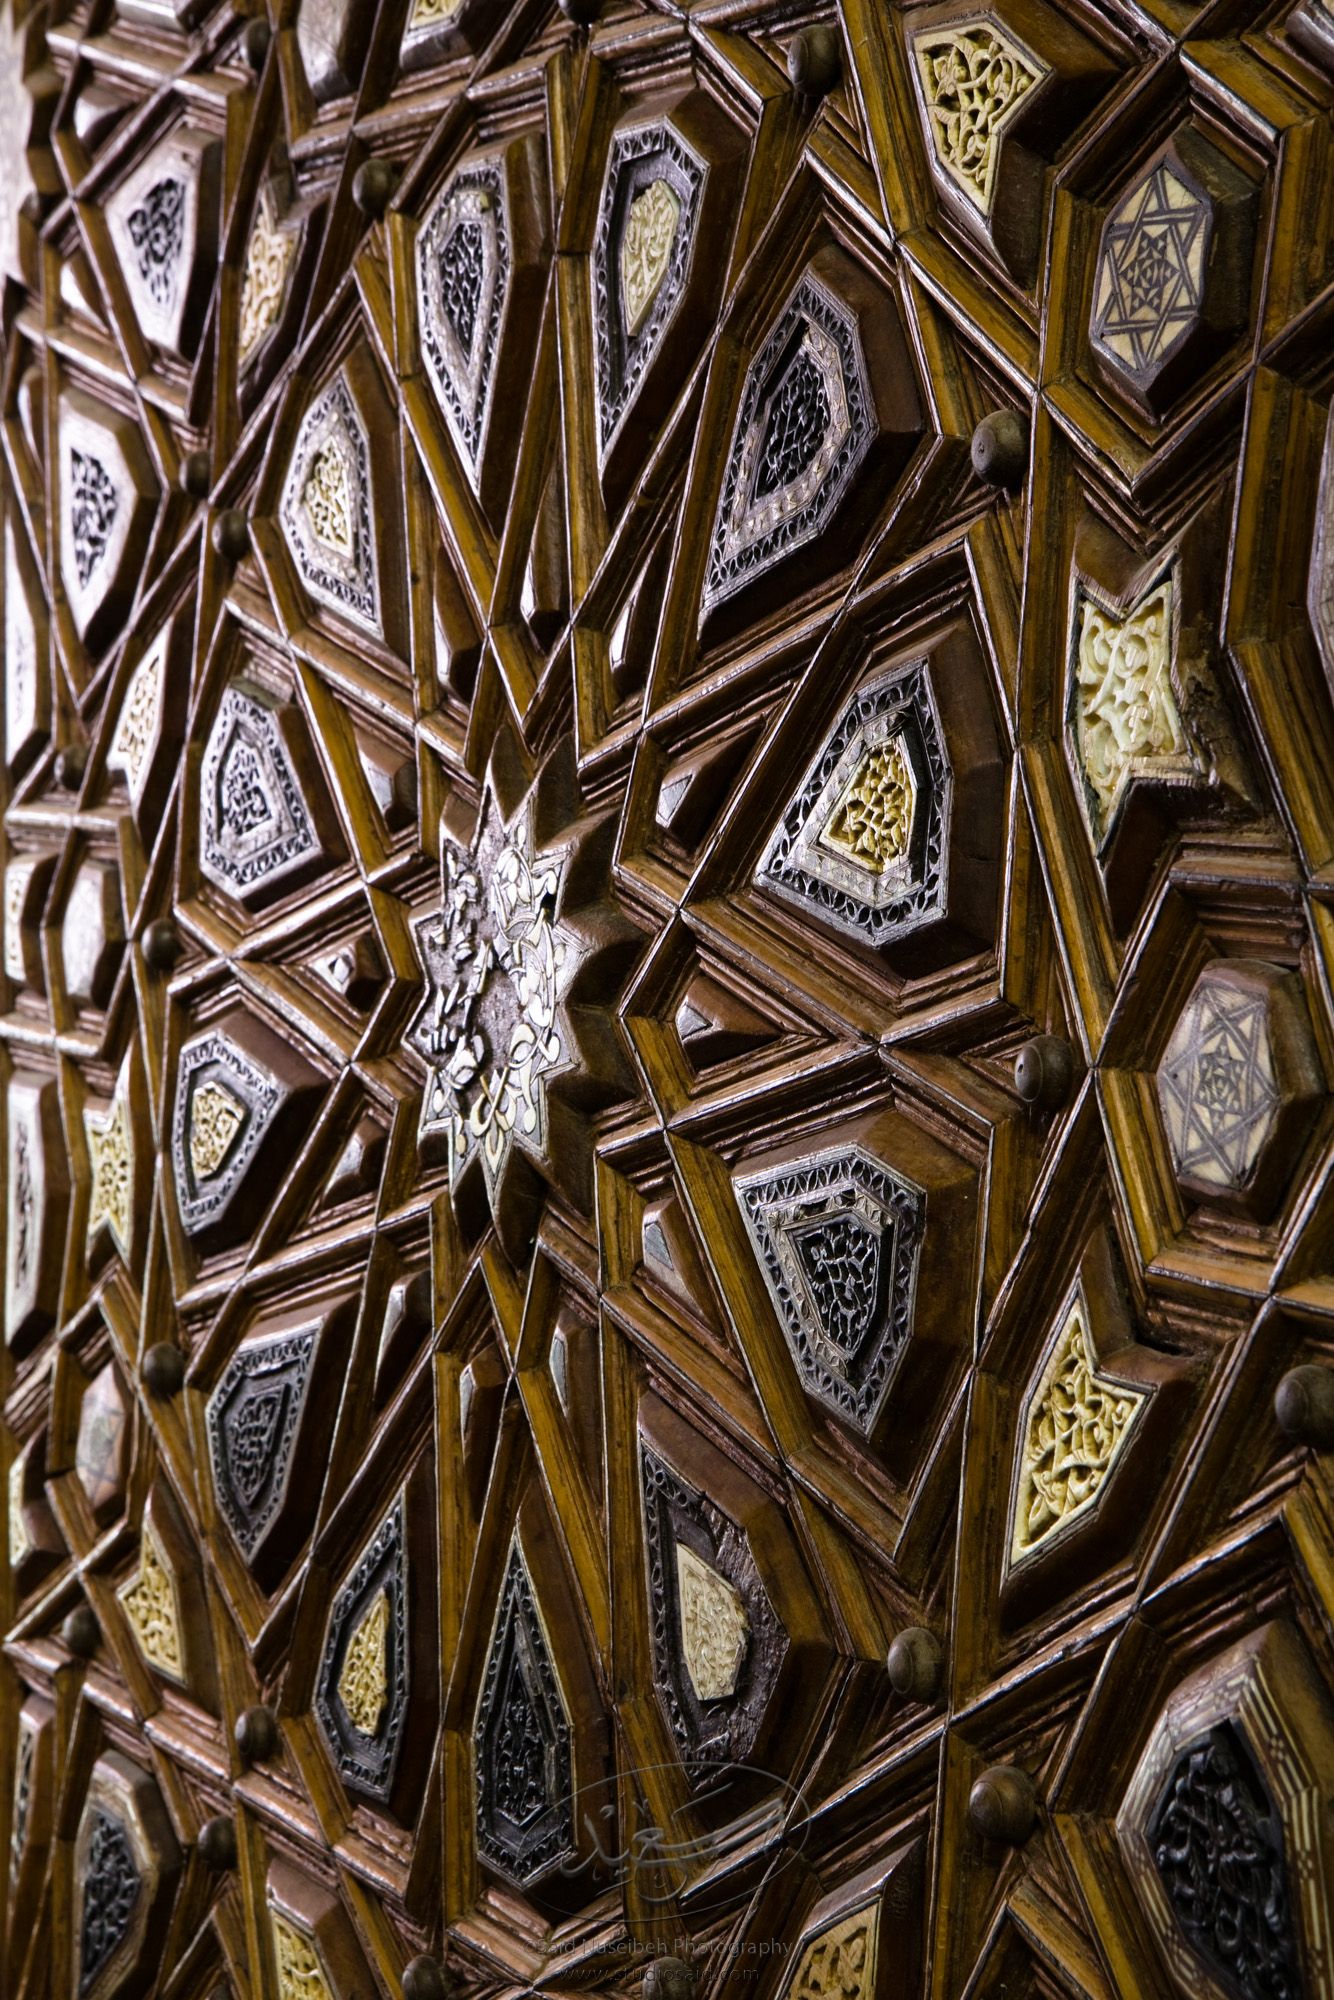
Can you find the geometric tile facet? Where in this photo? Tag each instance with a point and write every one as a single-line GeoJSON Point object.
{"type": "Point", "coordinates": [838, 1238]}
{"type": "Point", "coordinates": [525, 1812]}
{"type": "Point", "coordinates": [1122, 716]}
{"type": "Point", "coordinates": [463, 270]}
{"type": "Point", "coordinates": [971, 80]}
{"type": "Point", "coordinates": [326, 507]}
{"type": "Point", "coordinates": [163, 222]}
{"type": "Point", "coordinates": [361, 1697]}
{"type": "Point", "coordinates": [226, 1100]}
{"type": "Point", "coordinates": [256, 826]}
{"type": "Point", "coordinates": [252, 1420]}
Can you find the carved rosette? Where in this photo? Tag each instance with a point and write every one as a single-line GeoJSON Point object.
{"type": "Point", "coordinates": [514, 1066]}
{"type": "Point", "coordinates": [327, 507]}
{"type": "Point", "coordinates": [1238, 1084]}
{"type": "Point", "coordinates": [253, 1420]}
{"type": "Point", "coordinates": [864, 842]}
{"type": "Point", "coordinates": [1223, 1829]}
{"type": "Point", "coordinates": [163, 221]}
{"type": "Point", "coordinates": [361, 1697]}
{"type": "Point", "coordinates": [523, 1734]}
{"type": "Point", "coordinates": [838, 1237]}
{"type": "Point", "coordinates": [126, 1861]}
{"type": "Point", "coordinates": [258, 833]}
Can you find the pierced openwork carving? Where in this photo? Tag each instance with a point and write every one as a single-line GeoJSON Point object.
{"type": "Point", "coordinates": [972, 79]}
{"type": "Point", "coordinates": [257, 834]}
{"type": "Point", "coordinates": [163, 222]}
{"type": "Point", "coordinates": [326, 507]}
{"type": "Point", "coordinates": [269, 257]}
{"type": "Point", "coordinates": [94, 504]}
{"type": "Point", "coordinates": [523, 1741]}
{"type": "Point", "coordinates": [110, 1139]}
{"type": "Point", "coordinates": [216, 1077]}
{"type": "Point", "coordinates": [717, 1641]}
{"type": "Point", "coordinates": [1239, 1075]}
{"type": "Point", "coordinates": [362, 1695]}
{"type": "Point", "coordinates": [126, 1861]}
{"type": "Point", "coordinates": [839, 1962]}
{"type": "Point", "coordinates": [838, 1237]}
{"type": "Point", "coordinates": [646, 224]}
{"type": "Point", "coordinates": [1076, 1423]}
{"type": "Point", "coordinates": [301, 1974]}
{"type": "Point", "coordinates": [1123, 716]}
{"type": "Point", "coordinates": [153, 1609]}
{"type": "Point", "coordinates": [803, 429]}
{"type": "Point", "coordinates": [463, 272]}
{"type": "Point", "coordinates": [864, 841]}
{"type": "Point", "coordinates": [252, 1421]}
{"type": "Point", "coordinates": [505, 1060]}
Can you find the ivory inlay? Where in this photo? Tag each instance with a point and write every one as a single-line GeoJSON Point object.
{"type": "Point", "coordinates": [215, 1118]}
{"type": "Point", "coordinates": [363, 1682]}
{"type": "Point", "coordinates": [714, 1626]}
{"type": "Point", "coordinates": [973, 79]}
{"type": "Point", "coordinates": [1075, 1425]}
{"type": "Point", "coordinates": [646, 249]}
{"type": "Point", "coordinates": [872, 821]}
{"type": "Point", "coordinates": [149, 1601]}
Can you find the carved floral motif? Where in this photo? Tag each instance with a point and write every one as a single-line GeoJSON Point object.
{"type": "Point", "coordinates": [110, 1140]}
{"type": "Point", "coordinates": [714, 1627]}
{"type": "Point", "coordinates": [363, 1680]}
{"type": "Point", "coordinates": [1123, 708]}
{"type": "Point", "coordinates": [156, 227]}
{"type": "Point", "coordinates": [150, 1603]}
{"type": "Point", "coordinates": [973, 79]}
{"type": "Point", "coordinates": [111, 1887]}
{"type": "Point", "coordinates": [651, 223]}
{"type": "Point", "coordinates": [1075, 1425]}
{"type": "Point", "coordinates": [269, 255]}
{"type": "Point", "coordinates": [839, 1962]}
{"type": "Point", "coordinates": [301, 1976]}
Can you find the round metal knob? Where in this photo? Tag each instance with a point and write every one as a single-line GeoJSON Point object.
{"type": "Point", "coordinates": [231, 534]}
{"type": "Point", "coordinates": [915, 1663]}
{"type": "Point", "coordinates": [1003, 1805]}
{"type": "Point", "coordinates": [815, 60]}
{"type": "Point", "coordinates": [373, 186]}
{"type": "Point", "coordinates": [669, 1979]}
{"type": "Point", "coordinates": [71, 763]}
{"type": "Point", "coordinates": [1044, 1070]}
{"type": "Point", "coordinates": [1304, 1406]}
{"type": "Point", "coordinates": [163, 1369]}
{"type": "Point", "coordinates": [255, 43]}
{"type": "Point", "coordinates": [425, 1978]}
{"type": "Point", "coordinates": [582, 12]}
{"type": "Point", "coordinates": [81, 1632]}
{"type": "Point", "coordinates": [217, 1842]}
{"type": "Point", "coordinates": [196, 474]}
{"type": "Point", "coordinates": [162, 944]}
{"type": "Point", "coordinates": [1000, 448]}
{"type": "Point", "coordinates": [256, 1734]}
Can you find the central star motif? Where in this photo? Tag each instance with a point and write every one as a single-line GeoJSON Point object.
{"type": "Point", "coordinates": [521, 962]}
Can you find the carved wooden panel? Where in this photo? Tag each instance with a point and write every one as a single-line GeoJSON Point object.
{"type": "Point", "coordinates": [665, 1032]}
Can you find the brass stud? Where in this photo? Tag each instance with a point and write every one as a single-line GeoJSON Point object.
{"type": "Point", "coordinates": [196, 474]}
{"type": "Point", "coordinates": [373, 186]}
{"type": "Point", "coordinates": [1000, 449]}
{"type": "Point", "coordinates": [582, 12]}
{"type": "Point", "coordinates": [916, 1661]}
{"type": "Point", "coordinates": [425, 1978]}
{"type": "Point", "coordinates": [231, 534]}
{"type": "Point", "coordinates": [669, 1979]}
{"type": "Point", "coordinates": [1003, 1805]}
{"type": "Point", "coordinates": [81, 1632]}
{"type": "Point", "coordinates": [217, 1842]}
{"type": "Point", "coordinates": [255, 43]}
{"type": "Point", "coordinates": [256, 1734]}
{"type": "Point", "coordinates": [1044, 1071]}
{"type": "Point", "coordinates": [1304, 1406]}
{"type": "Point", "coordinates": [815, 61]}
{"type": "Point", "coordinates": [161, 944]}
{"type": "Point", "coordinates": [163, 1369]}
{"type": "Point", "coordinates": [71, 763]}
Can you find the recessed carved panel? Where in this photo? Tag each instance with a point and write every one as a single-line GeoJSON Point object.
{"type": "Point", "coordinates": [1238, 1083]}
{"type": "Point", "coordinates": [259, 836]}
{"type": "Point", "coordinates": [106, 501]}
{"type": "Point", "coordinates": [524, 1765]}
{"type": "Point", "coordinates": [163, 222]}
{"type": "Point", "coordinates": [240, 1093]}
{"type": "Point", "coordinates": [254, 1418]}
{"type": "Point", "coordinates": [301, 1974]}
{"type": "Point", "coordinates": [838, 1237]}
{"type": "Point", "coordinates": [151, 1604]}
{"type": "Point", "coordinates": [362, 1695]}
{"type": "Point", "coordinates": [1076, 1422]}
{"type": "Point", "coordinates": [126, 1861]}
{"type": "Point", "coordinates": [27, 681]}
{"type": "Point", "coordinates": [1123, 717]}
{"type": "Point", "coordinates": [1173, 270]}
{"type": "Point", "coordinates": [145, 744]}
{"type": "Point", "coordinates": [332, 37]}
{"type": "Point", "coordinates": [270, 260]}
{"type": "Point", "coordinates": [92, 934]}
{"type": "Point", "coordinates": [37, 1193]}
{"type": "Point", "coordinates": [327, 507]}
{"type": "Point", "coordinates": [840, 1961]}
{"type": "Point", "coordinates": [972, 79]}
{"type": "Point", "coordinates": [110, 1138]}
{"type": "Point", "coordinates": [1220, 1827]}
{"type": "Point", "coordinates": [102, 1446]}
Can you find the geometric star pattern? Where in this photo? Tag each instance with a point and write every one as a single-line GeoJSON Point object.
{"type": "Point", "coordinates": [1216, 1086]}
{"type": "Point", "coordinates": [1150, 272]}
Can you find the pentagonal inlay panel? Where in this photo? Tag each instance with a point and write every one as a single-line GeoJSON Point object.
{"type": "Point", "coordinates": [37, 1194]}
{"type": "Point", "coordinates": [525, 1807]}
{"type": "Point", "coordinates": [971, 78]}
{"type": "Point", "coordinates": [1238, 1083]}
{"type": "Point", "coordinates": [254, 1419]}
{"type": "Point", "coordinates": [275, 251]}
{"type": "Point", "coordinates": [363, 1691]}
{"type": "Point", "coordinates": [126, 1861]}
{"type": "Point", "coordinates": [1123, 720]}
{"type": "Point", "coordinates": [327, 506]}
{"type": "Point", "coordinates": [145, 744]}
{"type": "Point", "coordinates": [239, 1090]}
{"type": "Point", "coordinates": [106, 501]}
{"type": "Point", "coordinates": [163, 220]}
{"type": "Point", "coordinates": [838, 1237]}
{"type": "Point", "coordinates": [1220, 1828]}
{"type": "Point", "coordinates": [864, 841]}
{"type": "Point", "coordinates": [259, 835]}
{"type": "Point", "coordinates": [1173, 270]}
